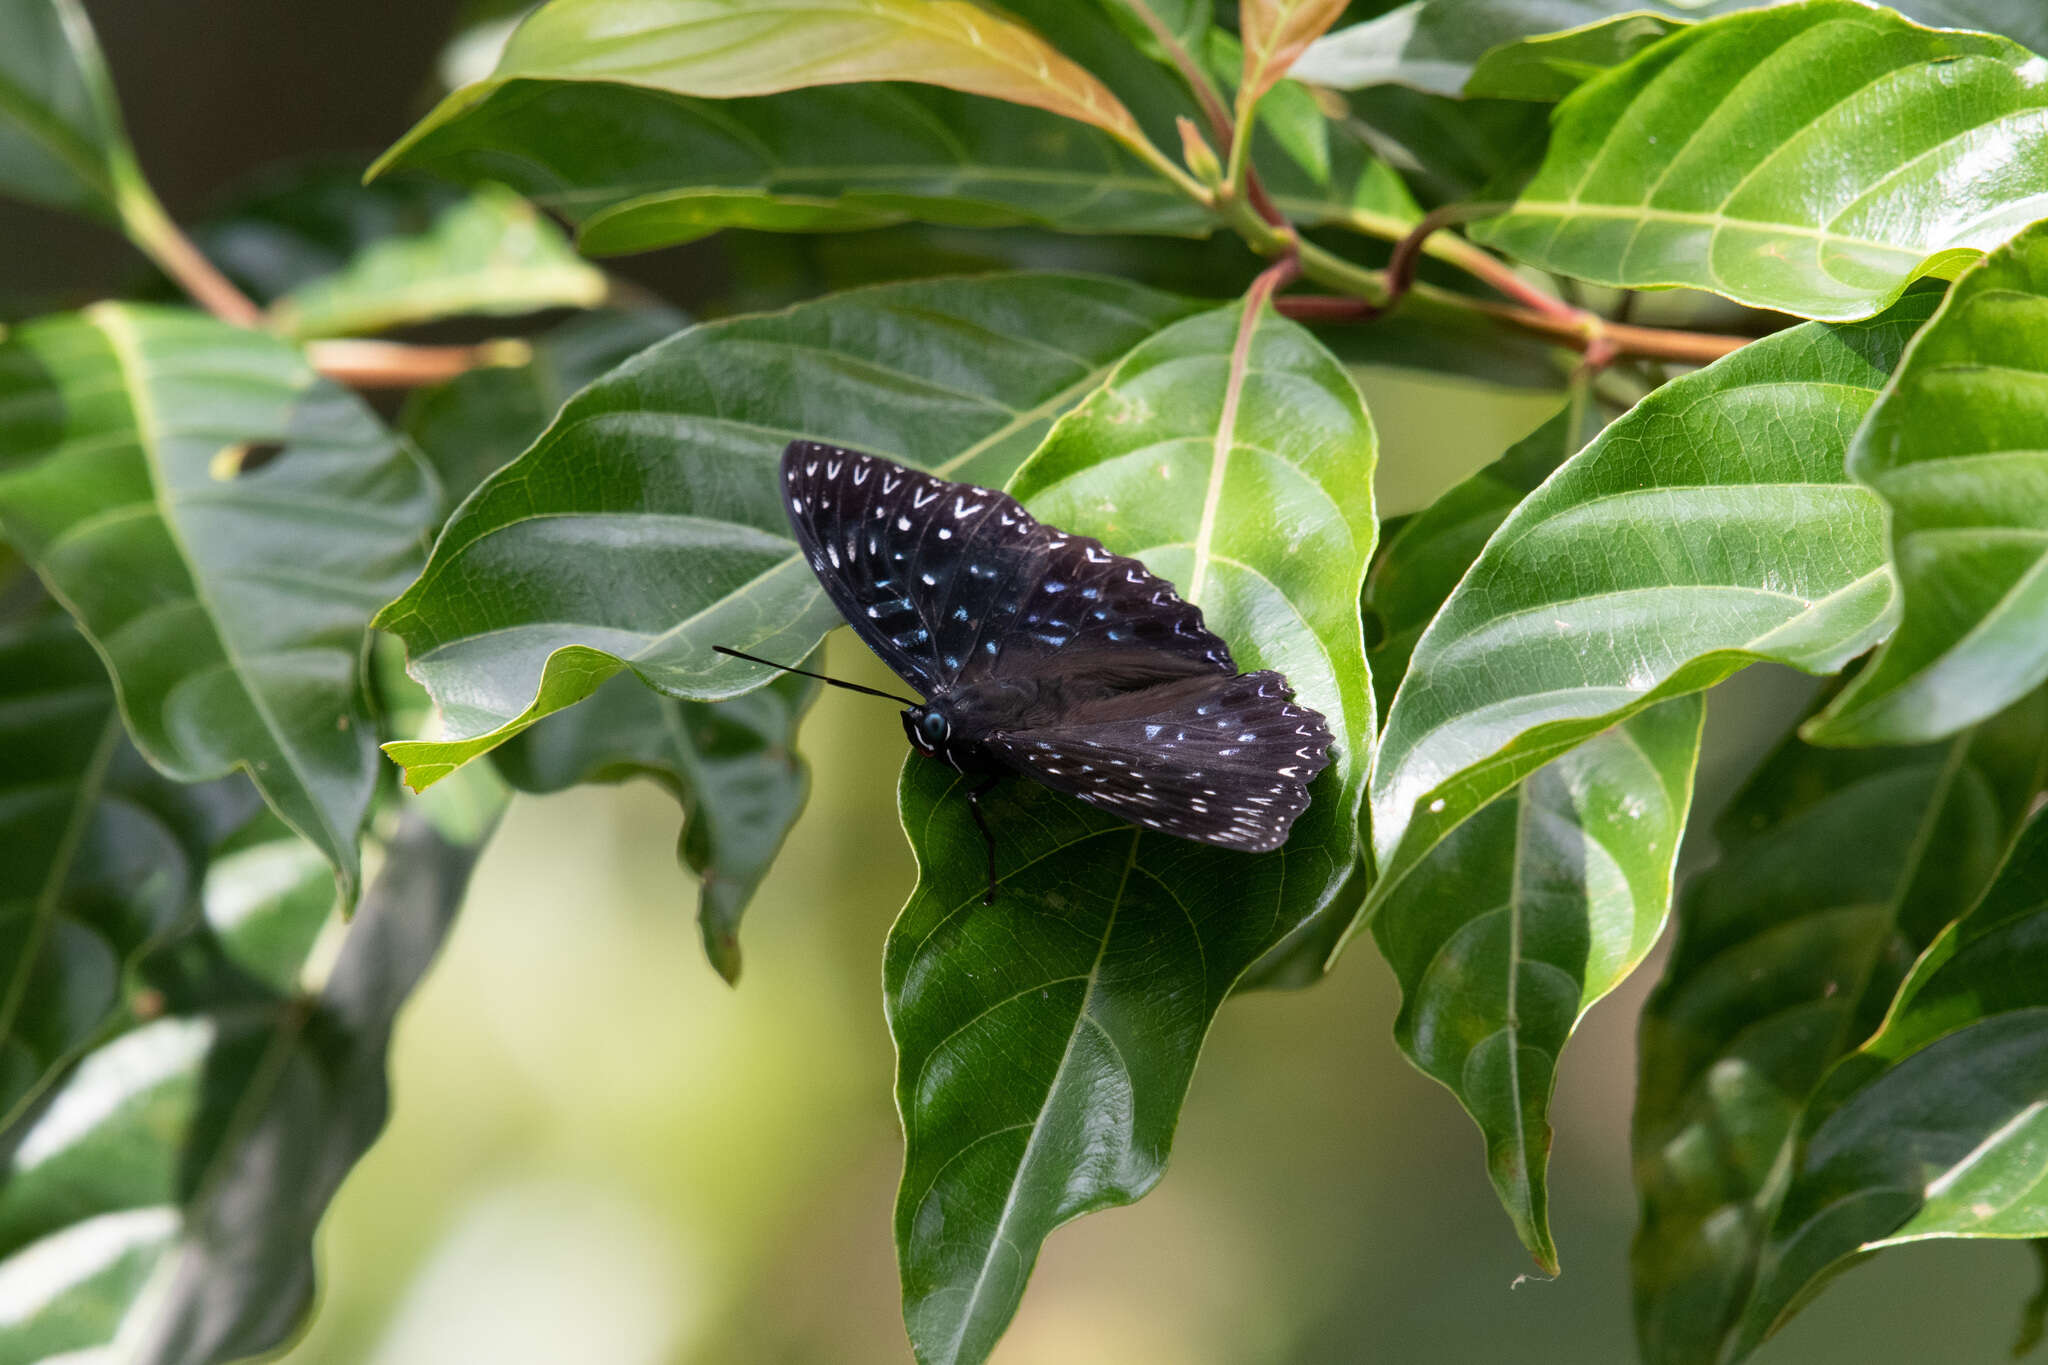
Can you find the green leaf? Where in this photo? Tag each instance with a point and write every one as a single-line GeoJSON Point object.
{"type": "Point", "coordinates": [1544, 49]}
{"type": "Point", "coordinates": [100, 858]}
{"type": "Point", "coordinates": [1958, 449]}
{"type": "Point", "coordinates": [300, 222]}
{"type": "Point", "coordinates": [166, 1197]}
{"type": "Point", "coordinates": [1735, 156]}
{"type": "Point", "coordinates": [61, 140]}
{"type": "Point", "coordinates": [1505, 933]}
{"type": "Point", "coordinates": [490, 253]}
{"type": "Point", "coordinates": [1420, 565]}
{"type": "Point", "coordinates": [827, 160]}
{"type": "Point", "coordinates": [722, 49]}
{"type": "Point", "coordinates": [1436, 45]}
{"type": "Point", "coordinates": [477, 423]}
{"type": "Point", "coordinates": [1045, 1042]}
{"type": "Point", "coordinates": [229, 595]}
{"type": "Point", "coordinates": [1936, 1126]}
{"type": "Point", "coordinates": [643, 168]}
{"type": "Point", "coordinates": [1189, 21]}
{"type": "Point", "coordinates": [639, 166]}
{"type": "Point", "coordinates": [1711, 527]}
{"type": "Point", "coordinates": [646, 525]}
{"type": "Point", "coordinates": [1837, 867]}
{"type": "Point", "coordinates": [1549, 66]}
{"type": "Point", "coordinates": [1446, 149]}
{"type": "Point", "coordinates": [731, 765]}
{"type": "Point", "coordinates": [332, 256]}
{"type": "Point", "coordinates": [1523, 917]}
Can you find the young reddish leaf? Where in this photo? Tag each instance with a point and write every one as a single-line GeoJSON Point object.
{"type": "Point", "coordinates": [1275, 33]}
{"type": "Point", "coordinates": [723, 49]}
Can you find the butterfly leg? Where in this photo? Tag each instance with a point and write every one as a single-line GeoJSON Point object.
{"type": "Point", "coordinates": [988, 838]}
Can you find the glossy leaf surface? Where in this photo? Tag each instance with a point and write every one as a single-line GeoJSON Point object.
{"type": "Point", "coordinates": [1544, 49]}
{"type": "Point", "coordinates": [476, 424]}
{"type": "Point", "coordinates": [223, 523]}
{"type": "Point", "coordinates": [1549, 66]}
{"type": "Point", "coordinates": [731, 765]}
{"type": "Point", "coordinates": [1936, 1126]}
{"type": "Point", "coordinates": [1436, 45]}
{"type": "Point", "coordinates": [1419, 567]}
{"type": "Point", "coordinates": [1837, 868]}
{"type": "Point", "coordinates": [721, 49]}
{"type": "Point", "coordinates": [639, 166]}
{"type": "Point", "coordinates": [1735, 156]}
{"type": "Point", "coordinates": [127, 1208]}
{"type": "Point", "coordinates": [61, 141]}
{"type": "Point", "coordinates": [1526, 915]}
{"type": "Point", "coordinates": [1513, 926]}
{"type": "Point", "coordinates": [1045, 1042]}
{"type": "Point", "coordinates": [653, 507]}
{"type": "Point", "coordinates": [100, 858]}
{"type": "Point", "coordinates": [642, 168]}
{"type": "Point", "coordinates": [489, 253]}
{"type": "Point", "coordinates": [1958, 449]}
{"type": "Point", "coordinates": [1712, 526]}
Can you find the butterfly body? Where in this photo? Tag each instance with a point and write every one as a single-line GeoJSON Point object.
{"type": "Point", "coordinates": [1043, 654]}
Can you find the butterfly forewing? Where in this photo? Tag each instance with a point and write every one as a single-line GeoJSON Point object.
{"type": "Point", "coordinates": [1223, 760]}
{"type": "Point", "coordinates": [950, 582]}
{"type": "Point", "coordinates": [1054, 657]}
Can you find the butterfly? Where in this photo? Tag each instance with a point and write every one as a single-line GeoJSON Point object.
{"type": "Point", "coordinates": [1043, 655]}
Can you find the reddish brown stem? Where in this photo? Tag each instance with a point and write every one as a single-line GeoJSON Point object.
{"type": "Point", "coordinates": [1470, 259]}
{"type": "Point", "coordinates": [151, 229]}
{"type": "Point", "coordinates": [364, 364]}
{"type": "Point", "coordinates": [1214, 111]}
{"type": "Point", "coordinates": [1602, 342]}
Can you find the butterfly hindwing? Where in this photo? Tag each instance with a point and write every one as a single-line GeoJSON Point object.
{"type": "Point", "coordinates": [1220, 759]}
{"type": "Point", "coordinates": [950, 582]}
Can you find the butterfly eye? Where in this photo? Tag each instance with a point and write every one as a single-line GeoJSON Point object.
{"type": "Point", "coordinates": [935, 727]}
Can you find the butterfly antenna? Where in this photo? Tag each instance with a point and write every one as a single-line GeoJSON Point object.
{"type": "Point", "coordinates": [836, 682]}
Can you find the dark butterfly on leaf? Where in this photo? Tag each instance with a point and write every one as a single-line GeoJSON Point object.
{"type": "Point", "coordinates": [1042, 654]}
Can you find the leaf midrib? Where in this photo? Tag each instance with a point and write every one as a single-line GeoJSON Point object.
{"type": "Point", "coordinates": [124, 347]}
{"type": "Point", "coordinates": [91, 783]}
{"type": "Point", "coordinates": [999, 1234]}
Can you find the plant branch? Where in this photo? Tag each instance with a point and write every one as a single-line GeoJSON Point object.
{"type": "Point", "coordinates": [368, 364]}
{"type": "Point", "coordinates": [1242, 178]}
{"type": "Point", "coordinates": [1589, 334]}
{"type": "Point", "coordinates": [1368, 293]}
{"type": "Point", "coordinates": [160, 239]}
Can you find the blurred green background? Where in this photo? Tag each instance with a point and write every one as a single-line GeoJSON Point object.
{"type": "Point", "coordinates": [602, 1155]}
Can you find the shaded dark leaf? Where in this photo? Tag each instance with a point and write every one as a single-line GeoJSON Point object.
{"type": "Point", "coordinates": [167, 1194]}
{"type": "Point", "coordinates": [1838, 867]}
{"type": "Point", "coordinates": [231, 606]}
{"type": "Point", "coordinates": [731, 765]}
